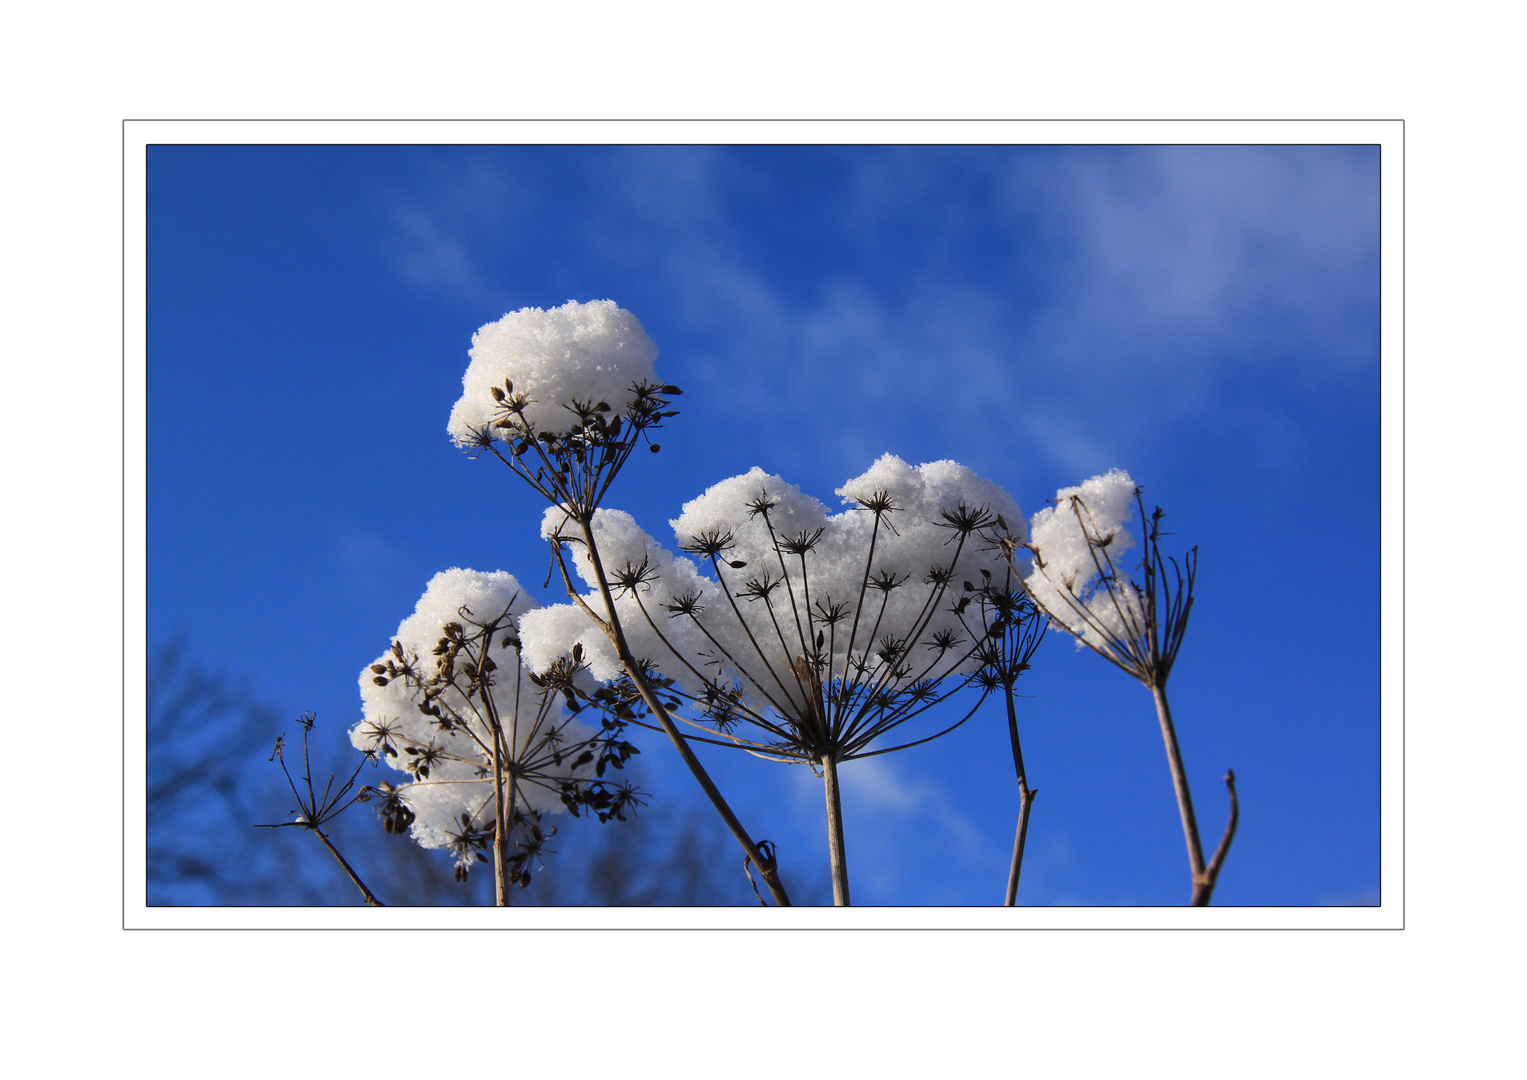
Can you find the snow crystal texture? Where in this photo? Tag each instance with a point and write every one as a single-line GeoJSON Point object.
{"type": "Point", "coordinates": [578, 352]}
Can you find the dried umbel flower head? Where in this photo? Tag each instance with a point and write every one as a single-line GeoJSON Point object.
{"type": "Point", "coordinates": [1081, 578]}
{"type": "Point", "coordinates": [451, 689]}
{"type": "Point", "coordinates": [823, 631]}
{"type": "Point", "coordinates": [1135, 622]}
{"type": "Point", "coordinates": [563, 398]}
{"type": "Point", "coordinates": [319, 804]}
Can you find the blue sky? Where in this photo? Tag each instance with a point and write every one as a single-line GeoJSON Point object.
{"type": "Point", "coordinates": [1205, 317]}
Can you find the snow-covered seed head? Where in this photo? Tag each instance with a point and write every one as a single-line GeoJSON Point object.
{"type": "Point", "coordinates": [555, 369]}
{"type": "Point", "coordinates": [1076, 544]}
{"type": "Point", "coordinates": [1082, 579]}
{"type": "Point", "coordinates": [832, 627]}
{"type": "Point", "coordinates": [452, 669]}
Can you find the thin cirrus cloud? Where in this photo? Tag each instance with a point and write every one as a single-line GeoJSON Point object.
{"type": "Point", "coordinates": [1181, 256]}
{"type": "Point", "coordinates": [439, 242]}
{"type": "Point", "coordinates": [431, 256]}
{"type": "Point", "coordinates": [1036, 284]}
{"type": "Point", "coordinates": [888, 811]}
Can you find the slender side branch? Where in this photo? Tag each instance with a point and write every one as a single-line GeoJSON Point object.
{"type": "Point", "coordinates": [313, 811]}
{"type": "Point", "coordinates": [1204, 888]}
{"type": "Point", "coordinates": [371, 899]}
{"type": "Point", "coordinates": [767, 866]}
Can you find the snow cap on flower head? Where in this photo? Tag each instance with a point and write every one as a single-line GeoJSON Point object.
{"type": "Point", "coordinates": [1065, 575]}
{"type": "Point", "coordinates": [752, 530]}
{"type": "Point", "coordinates": [586, 353]}
{"type": "Point", "coordinates": [460, 780]}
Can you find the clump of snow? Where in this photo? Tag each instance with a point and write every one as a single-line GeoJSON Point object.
{"type": "Point", "coordinates": [925, 495]}
{"type": "Point", "coordinates": [1081, 541]}
{"type": "Point", "coordinates": [548, 634]}
{"type": "Point", "coordinates": [735, 506]}
{"type": "Point", "coordinates": [460, 779]}
{"type": "Point", "coordinates": [578, 352]}
{"type": "Point", "coordinates": [770, 569]}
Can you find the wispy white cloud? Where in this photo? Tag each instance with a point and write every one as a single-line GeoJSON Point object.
{"type": "Point", "coordinates": [368, 562]}
{"type": "Point", "coordinates": [1121, 290]}
{"type": "Point", "coordinates": [437, 231]}
{"type": "Point", "coordinates": [894, 822]}
{"type": "Point", "coordinates": [1180, 258]}
{"type": "Point", "coordinates": [432, 257]}
{"type": "Point", "coordinates": [1158, 286]}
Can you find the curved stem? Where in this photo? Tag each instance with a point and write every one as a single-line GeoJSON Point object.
{"type": "Point", "coordinates": [838, 856]}
{"type": "Point", "coordinates": [618, 639]}
{"type": "Point", "coordinates": [1204, 888]}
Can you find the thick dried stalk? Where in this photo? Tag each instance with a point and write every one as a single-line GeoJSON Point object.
{"type": "Point", "coordinates": [1184, 796]}
{"type": "Point", "coordinates": [500, 829]}
{"type": "Point", "coordinates": [500, 823]}
{"type": "Point", "coordinates": [835, 832]}
{"type": "Point", "coordinates": [617, 638]}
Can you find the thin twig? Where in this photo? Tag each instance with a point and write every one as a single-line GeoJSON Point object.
{"type": "Point", "coordinates": [313, 812]}
{"type": "Point", "coordinates": [371, 899]}
{"type": "Point", "coordinates": [1211, 875]}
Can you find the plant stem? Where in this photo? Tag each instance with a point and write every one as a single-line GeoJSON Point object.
{"type": "Point", "coordinates": [767, 867]}
{"type": "Point", "coordinates": [1184, 799]}
{"type": "Point", "coordinates": [500, 825]}
{"type": "Point", "coordinates": [1025, 800]}
{"type": "Point", "coordinates": [1211, 875]}
{"type": "Point", "coordinates": [836, 853]}
{"type": "Point", "coordinates": [359, 884]}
